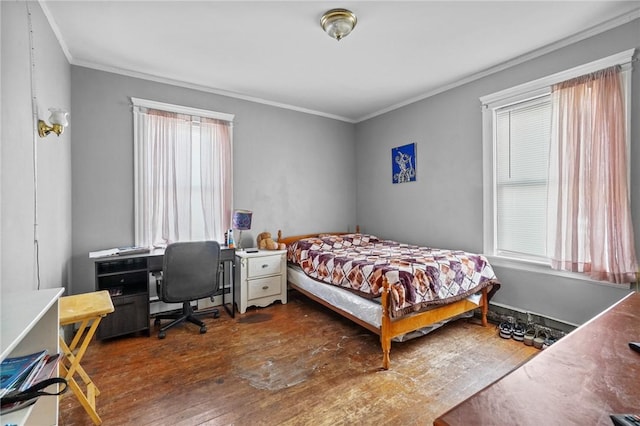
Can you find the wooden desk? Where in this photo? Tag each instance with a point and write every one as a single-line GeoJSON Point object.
{"type": "Point", "coordinates": [580, 380]}
{"type": "Point", "coordinates": [127, 279]}
{"type": "Point", "coordinates": [87, 309]}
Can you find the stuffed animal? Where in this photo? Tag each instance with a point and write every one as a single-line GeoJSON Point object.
{"type": "Point", "coordinates": [265, 242]}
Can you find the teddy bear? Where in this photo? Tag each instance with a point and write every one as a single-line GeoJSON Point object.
{"type": "Point", "coordinates": [265, 242]}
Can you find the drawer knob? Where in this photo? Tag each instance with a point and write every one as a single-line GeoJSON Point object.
{"type": "Point", "coordinates": [265, 265]}
{"type": "Point", "coordinates": [265, 287]}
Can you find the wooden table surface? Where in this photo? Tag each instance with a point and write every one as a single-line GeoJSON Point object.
{"type": "Point", "coordinates": [87, 305]}
{"type": "Point", "coordinates": [580, 380]}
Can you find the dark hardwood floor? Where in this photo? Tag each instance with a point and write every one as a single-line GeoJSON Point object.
{"type": "Point", "coordinates": [294, 364]}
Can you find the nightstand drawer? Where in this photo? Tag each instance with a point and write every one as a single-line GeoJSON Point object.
{"type": "Point", "coordinates": [261, 266]}
{"type": "Point", "coordinates": [263, 287]}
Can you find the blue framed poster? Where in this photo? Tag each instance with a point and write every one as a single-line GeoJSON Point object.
{"type": "Point", "coordinates": [403, 163]}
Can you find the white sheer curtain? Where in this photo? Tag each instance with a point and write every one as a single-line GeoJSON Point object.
{"type": "Point", "coordinates": [215, 148]}
{"type": "Point", "coordinates": [169, 203]}
{"type": "Point", "coordinates": [589, 226]}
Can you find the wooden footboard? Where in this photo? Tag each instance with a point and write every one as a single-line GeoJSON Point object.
{"type": "Point", "coordinates": [391, 328]}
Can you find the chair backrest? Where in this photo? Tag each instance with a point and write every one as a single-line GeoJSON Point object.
{"type": "Point", "coordinates": [190, 271]}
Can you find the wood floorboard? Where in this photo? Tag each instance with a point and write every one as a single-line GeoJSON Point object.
{"type": "Point", "coordinates": [293, 364]}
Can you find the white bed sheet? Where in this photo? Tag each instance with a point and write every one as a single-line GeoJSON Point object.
{"type": "Point", "coordinates": [368, 310]}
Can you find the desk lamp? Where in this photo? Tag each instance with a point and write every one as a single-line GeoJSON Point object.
{"type": "Point", "coordinates": [242, 222]}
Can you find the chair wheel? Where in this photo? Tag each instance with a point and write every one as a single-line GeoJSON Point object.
{"type": "Point", "coordinates": [156, 321]}
{"type": "Point", "coordinates": [162, 335]}
{"type": "Point", "coordinates": [216, 314]}
{"type": "Point", "coordinates": [203, 330]}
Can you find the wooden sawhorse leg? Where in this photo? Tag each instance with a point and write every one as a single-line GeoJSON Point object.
{"type": "Point", "coordinates": [70, 365]}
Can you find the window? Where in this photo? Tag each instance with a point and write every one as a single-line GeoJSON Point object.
{"type": "Point", "coordinates": [183, 171]}
{"type": "Point", "coordinates": [517, 132]}
{"type": "Point", "coordinates": [521, 152]}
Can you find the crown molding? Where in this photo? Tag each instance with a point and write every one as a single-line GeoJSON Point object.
{"type": "Point", "coordinates": [605, 26]}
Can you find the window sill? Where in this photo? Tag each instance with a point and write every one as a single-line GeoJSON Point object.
{"type": "Point", "coordinates": [543, 268]}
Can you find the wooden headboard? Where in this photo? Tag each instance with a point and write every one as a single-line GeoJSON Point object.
{"type": "Point", "coordinates": [293, 238]}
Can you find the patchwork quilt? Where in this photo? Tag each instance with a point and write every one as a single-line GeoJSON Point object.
{"type": "Point", "coordinates": [419, 277]}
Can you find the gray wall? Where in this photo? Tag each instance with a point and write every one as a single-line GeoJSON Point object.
{"type": "Point", "coordinates": [273, 149]}
{"type": "Point", "coordinates": [443, 208]}
{"type": "Point", "coordinates": [52, 89]}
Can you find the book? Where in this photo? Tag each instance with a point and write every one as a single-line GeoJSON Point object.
{"type": "Point", "coordinates": [103, 253]}
{"type": "Point", "coordinates": [44, 370]}
{"type": "Point", "coordinates": [14, 370]}
{"type": "Point", "coordinates": [24, 384]}
{"type": "Point", "coordinates": [15, 406]}
{"type": "Point", "coordinates": [132, 250]}
{"type": "Point", "coordinates": [118, 251]}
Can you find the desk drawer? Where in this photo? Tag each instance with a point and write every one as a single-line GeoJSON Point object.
{"type": "Point", "coordinates": [263, 287]}
{"type": "Point", "coordinates": [131, 314]}
{"type": "Point", "coordinates": [261, 266]}
{"type": "Point", "coordinates": [155, 263]}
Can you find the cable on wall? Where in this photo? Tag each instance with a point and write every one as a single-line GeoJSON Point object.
{"type": "Point", "coordinates": [34, 117]}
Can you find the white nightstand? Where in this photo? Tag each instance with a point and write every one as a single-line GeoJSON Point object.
{"type": "Point", "coordinates": [261, 278]}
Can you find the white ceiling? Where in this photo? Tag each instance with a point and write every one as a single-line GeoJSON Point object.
{"type": "Point", "coordinates": [276, 52]}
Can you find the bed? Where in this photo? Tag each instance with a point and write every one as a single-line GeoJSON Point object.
{"type": "Point", "coordinates": [398, 291]}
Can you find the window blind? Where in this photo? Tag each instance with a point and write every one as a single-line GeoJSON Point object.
{"type": "Point", "coordinates": [522, 151]}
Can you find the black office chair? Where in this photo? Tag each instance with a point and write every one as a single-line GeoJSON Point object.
{"type": "Point", "coordinates": [190, 271]}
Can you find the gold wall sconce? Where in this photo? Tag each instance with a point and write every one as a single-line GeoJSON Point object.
{"type": "Point", "coordinates": [58, 120]}
{"type": "Point", "coordinates": [338, 23]}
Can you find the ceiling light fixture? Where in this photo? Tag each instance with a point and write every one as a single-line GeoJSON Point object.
{"type": "Point", "coordinates": [338, 23]}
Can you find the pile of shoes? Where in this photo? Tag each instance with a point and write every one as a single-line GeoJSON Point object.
{"type": "Point", "coordinates": [539, 338]}
{"type": "Point", "coordinates": [512, 329]}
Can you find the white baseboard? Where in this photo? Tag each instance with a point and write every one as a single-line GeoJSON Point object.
{"type": "Point", "coordinates": [511, 308]}
{"type": "Point", "coordinates": [208, 303]}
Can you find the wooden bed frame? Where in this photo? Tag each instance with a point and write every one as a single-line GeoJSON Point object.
{"type": "Point", "coordinates": [391, 327]}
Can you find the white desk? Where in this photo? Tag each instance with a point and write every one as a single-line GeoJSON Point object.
{"type": "Point", "coordinates": [29, 323]}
